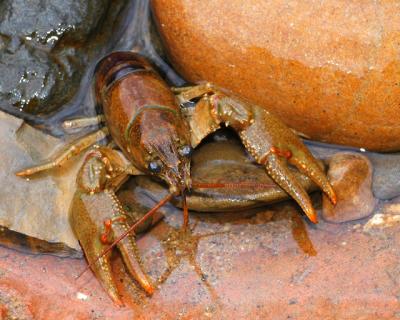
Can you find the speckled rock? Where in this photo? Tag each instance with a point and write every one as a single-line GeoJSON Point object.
{"type": "Point", "coordinates": [272, 266]}
{"type": "Point", "coordinates": [351, 178]}
{"type": "Point", "coordinates": [328, 69]}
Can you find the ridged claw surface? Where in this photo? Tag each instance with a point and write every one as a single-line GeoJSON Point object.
{"type": "Point", "coordinates": [275, 145]}
{"type": "Point", "coordinates": [279, 172]}
{"type": "Point", "coordinates": [97, 219]}
{"type": "Point", "coordinates": [130, 254]}
{"type": "Point", "coordinates": [305, 162]}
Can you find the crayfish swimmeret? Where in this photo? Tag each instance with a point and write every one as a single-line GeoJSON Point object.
{"type": "Point", "coordinates": [156, 133]}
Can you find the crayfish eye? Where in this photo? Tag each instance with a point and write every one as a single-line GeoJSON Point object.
{"type": "Point", "coordinates": [186, 151]}
{"type": "Point", "coordinates": [155, 166]}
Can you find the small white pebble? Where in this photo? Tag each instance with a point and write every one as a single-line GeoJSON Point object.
{"type": "Point", "coordinates": [362, 150]}
{"type": "Point", "coordinates": [81, 296]}
{"type": "Point", "coordinates": [380, 220]}
{"type": "Point", "coordinates": [344, 243]}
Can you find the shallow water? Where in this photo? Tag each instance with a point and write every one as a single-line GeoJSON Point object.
{"type": "Point", "coordinates": [245, 263]}
{"type": "Point", "coordinates": [134, 31]}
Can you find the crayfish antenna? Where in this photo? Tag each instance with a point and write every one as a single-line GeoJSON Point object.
{"type": "Point", "coordinates": [232, 185]}
{"type": "Point", "coordinates": [131, 229]}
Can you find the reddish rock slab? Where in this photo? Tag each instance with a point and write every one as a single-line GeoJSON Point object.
{"type": "Point", "coordinates": [329, 69]}
{"type": "Point", "coordinates": [351, 177]}
{"type": "Point", "coordinates": [265, 264]}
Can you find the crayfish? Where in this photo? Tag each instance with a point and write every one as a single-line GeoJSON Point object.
{"type": "Point", "coordinates": [155, 132]}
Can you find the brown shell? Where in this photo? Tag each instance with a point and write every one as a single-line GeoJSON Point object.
{"type": "Point", "coordinates": [125, 84]}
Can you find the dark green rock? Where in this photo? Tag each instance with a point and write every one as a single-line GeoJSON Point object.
{"type": "Point", "coordinates": [45, 48]}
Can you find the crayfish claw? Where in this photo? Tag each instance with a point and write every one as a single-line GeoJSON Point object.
{"type": "Point", "coordinates": [97, 219]}
{"type": "Point", "coordinates": [102, 269]}
{"type": "Point", "coordinates": [279, 172]}
{"type": "Point", "coordinates": [129, 251]}
{"type": "Point", "coordinates": [306, 163]}
{"type": "Point", "coordinates": [88, 229]}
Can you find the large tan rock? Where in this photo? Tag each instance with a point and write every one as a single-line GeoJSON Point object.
{"type": "Point", "coordinates": [329, 69]}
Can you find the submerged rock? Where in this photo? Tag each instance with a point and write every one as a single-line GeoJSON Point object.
{"type": "Point", "coordinates": [224, 268]}
{"type": "Point", "coordinates": [45, 47]}
{"type": "Point", "coordinates": [386, 175]}
{"type": "Point", "coordinates": [351, 177]}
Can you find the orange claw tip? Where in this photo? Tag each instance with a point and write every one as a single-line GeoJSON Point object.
{"type": "Point", "coordinates": [107, 223]}
{"type": "Point", "coordinates": [118, 302]}
{"type": "Point", "coordinates": [312, 216]}
{"type": "Point", "coordinates": [333, 198]}
{"type": "Point", "coordinates": [145, 284]}
{"type": "Point", "coordinates": [149, 289]}
{"type": "Point", "coordinates": [114, 296]}
{"type": "Point", "coordinates": [314, 220]}
{"type": "Point", "coordinates": [104, 238]}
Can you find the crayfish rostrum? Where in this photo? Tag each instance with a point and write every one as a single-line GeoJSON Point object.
{"type": "Point", "coordinates": [155, 132]}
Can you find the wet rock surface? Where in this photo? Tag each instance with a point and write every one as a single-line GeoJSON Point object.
{"type": "Point", "coordinates": [13, 305]}
{"type": "Point", "coordinates": [386, 175]}
{"type": "Point", "coordinates": [328, 69]}
{"type": "Point", "coordinates": [45, 48]}
{"type": "Point", "coordinates": [351, 177]}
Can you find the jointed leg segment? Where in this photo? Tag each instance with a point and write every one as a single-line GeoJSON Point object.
{"type": "Point", "coordinates": [70, 151]}
{"type": "Point", "coordinates": [83, 122]}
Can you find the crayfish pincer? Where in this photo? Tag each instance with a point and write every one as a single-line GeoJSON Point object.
{"type": "Point", "coordinates": [155, 136]}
